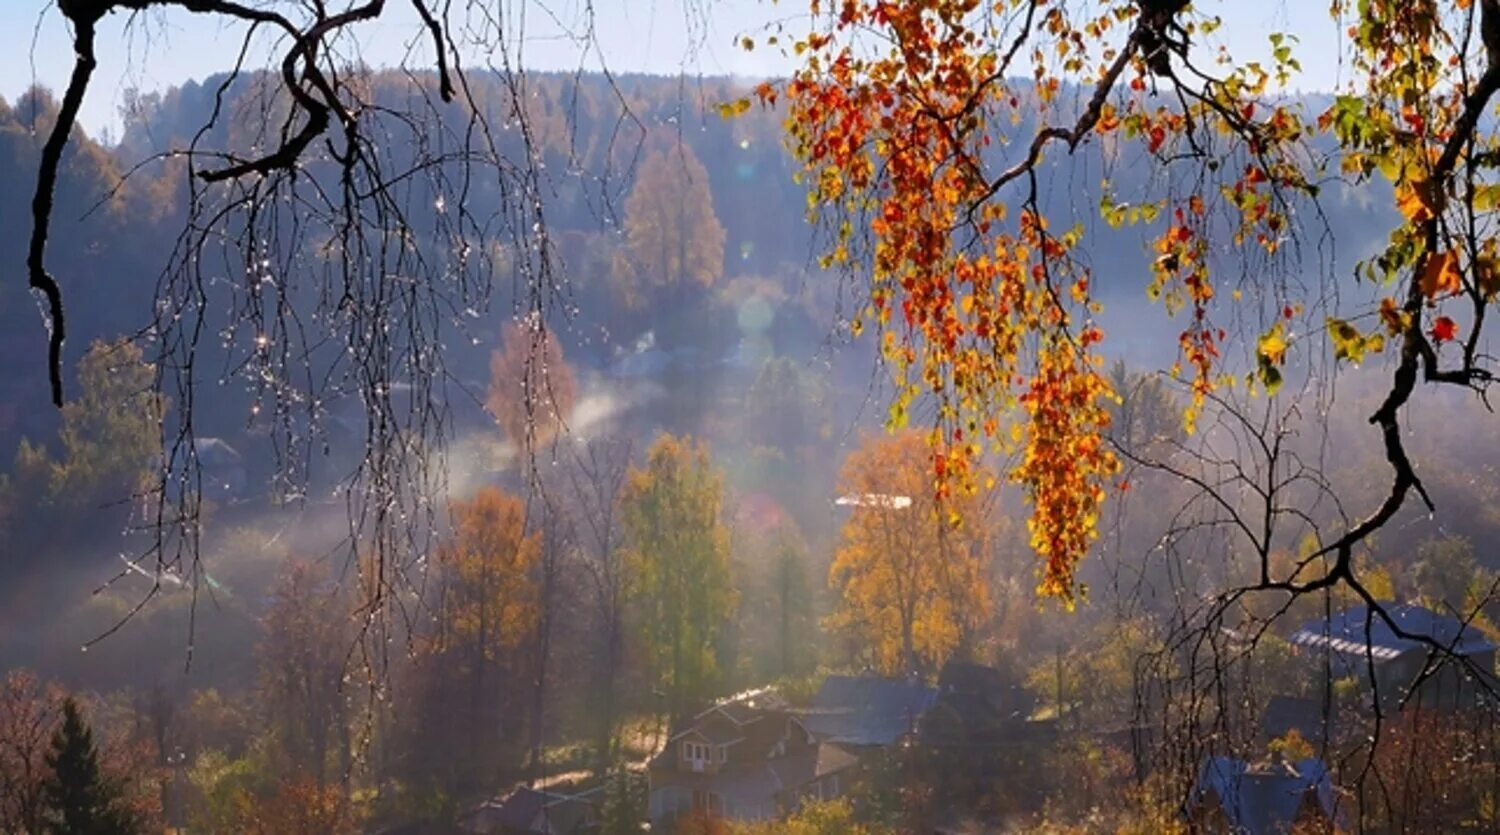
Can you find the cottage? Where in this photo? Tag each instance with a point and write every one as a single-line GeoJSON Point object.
{"type": "Point", "coordinates": [1358, 638]}
{"type": "Point", "coordinates": [867, 711]}
{"type": "Point", "coordinates": [1233, 797]}
{"type": "Point", "coordinates": [747, 758]}
{"type": "Point", "coordinates": [977, 706]}
{"type": "Point", "coordinates": [1285, 714]}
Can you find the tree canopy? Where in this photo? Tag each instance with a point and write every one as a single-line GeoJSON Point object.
{"type": "Point", "coordinates": [677, 556]}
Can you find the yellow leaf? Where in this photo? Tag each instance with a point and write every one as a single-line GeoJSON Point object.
{"type": "Point", "coordinates": [1487, 270]}
{"type": "Point", "coordinates": [1273, 344]}
{"type": "Point", "coordinates": [1486, 197]}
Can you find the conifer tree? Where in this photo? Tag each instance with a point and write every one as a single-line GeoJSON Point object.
{"type": "Point", "coordinates": [80, 798]}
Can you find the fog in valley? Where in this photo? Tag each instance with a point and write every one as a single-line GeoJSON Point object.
{"type": "Point", "coordinates": [524, 462]}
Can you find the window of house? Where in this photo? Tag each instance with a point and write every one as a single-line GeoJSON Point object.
{"type": "Point", "coordinates": [723, 753]}
{"type": "Point", "coordinates": [695, 751]}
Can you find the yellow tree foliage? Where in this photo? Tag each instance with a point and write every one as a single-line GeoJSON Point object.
{"type": "Point", "coordinates": [923, 127]}
{"type": "Point", "coordinates": [911, 571]}
{"type": "Point", "coordinates": [531, 385]}
{"type": "Point", "coordinates": [677, 561]}
{"type": "Point", "coordinates": [492, 595]}
{"type": "Point", "coordinates": [673, 239]}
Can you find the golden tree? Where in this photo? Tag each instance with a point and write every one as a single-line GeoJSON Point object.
{"type": "Point", "coordinates": [491, 596]}
{"type": "Point", "coordinates": [912, 569]}
{"type": "Point", "coordinates": [673, 239]}
{"type": "Point", "coordinates": [487, 609]}
{"type": "Point", "coordinates": [677, 561]}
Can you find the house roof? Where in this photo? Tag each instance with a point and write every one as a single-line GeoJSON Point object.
{"type": "Point", "coordinates": [975, 704]}
{"type": "Point", "coordinates": [568, 815]}
{"type": "Point", "coordinates": [521, 809]}
{"type": "Point", "coordinates": [800, 769]}
{"type": "Point", "coordinates": [1360, 630]}
{"type": "Point", "coordinates": [1285, 714]}
{"type": "Point", "coordinates": [725, 721]}
{"type": "Point", "coordinates": [867, 710]}
{"type": "Point", "coordinates": [746, 706]}
{"type": "Point", "coordinates": [216, 452]}
{"type": "Point", "coordinates": [1264, 799]}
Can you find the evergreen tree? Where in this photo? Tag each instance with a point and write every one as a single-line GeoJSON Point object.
{"type": "Point", "coordinates": [623, 809]}
{"type": "Point", "coordinates": [80, 799]}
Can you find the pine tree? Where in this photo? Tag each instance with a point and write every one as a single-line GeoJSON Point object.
{"type": "Point", "coordinates": [80, 799]}
{"type": "Point", "coordinates": [624, 807]}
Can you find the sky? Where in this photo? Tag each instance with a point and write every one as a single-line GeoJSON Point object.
{"type": "Point", "coordinates": [165, 48]}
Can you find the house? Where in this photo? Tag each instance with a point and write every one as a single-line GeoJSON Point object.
{"type": "Point", "coordinates": [1275, 798]}
{"type": "Point", "coordinates": [867, 711]}
{"type": "Point", "coordinates": [977, 734]}
{"type": "Point", "coordinates": [222, 469]}
{"type": "Point", "coordinates": [746, 758]}
{"type": "Point", "coordinates": [528, 811]}
{"type": "Point", "coordinates": [977, 706]}
{"type": "Point", "coordinates": [1358, 638]}
{"type": "Point", "coordinates": [1284, 714]}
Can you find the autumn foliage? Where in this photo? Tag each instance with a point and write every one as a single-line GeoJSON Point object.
{"type": "Point", "coordinates": [492, 595]}
{"type": "Point", "coordinates": [922, 154]}
{"type": "Point", "coordinates": [673, 240]}
{"type": "Point", "coordinates": [531, 385]}
{"type": "Point", "coordinates": [911, 571]}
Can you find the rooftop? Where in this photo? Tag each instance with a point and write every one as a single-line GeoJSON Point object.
{"type": "Point", "coordinates": [1361, 630]}
{"type": "Point", "coordinates": [867, 710]}
{"type": "Point", "coordinates": [1264, 798]}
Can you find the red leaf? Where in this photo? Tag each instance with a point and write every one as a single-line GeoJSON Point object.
{"type": "Point", "coordinates": [1444, 329]}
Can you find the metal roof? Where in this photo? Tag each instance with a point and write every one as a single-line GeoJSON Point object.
{"type": "Point", "coordinates": [1360, 631]}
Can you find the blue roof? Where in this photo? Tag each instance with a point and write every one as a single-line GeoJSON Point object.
{"type": "Point", "coordinates": [867, 710]}
{"type": "Point", "coordinates": [1358, 631]}
{"type": "Point", "coordinates": [1267, 800]}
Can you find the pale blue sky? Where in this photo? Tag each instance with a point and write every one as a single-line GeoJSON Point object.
{"type": "Point", "coordinates": [657, 36]}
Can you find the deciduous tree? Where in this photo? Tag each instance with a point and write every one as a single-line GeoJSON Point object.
{"type": "Point", "coordinates": [677, 556]}
{"type": "Point", "coordinates": [488, 608]}
{"type": "Point", "coordinates": [911, 571]}
{"type": "Point", "coordinates": [29, 713]}
{"type": "Point", "coordinates": [304, 655]}
{"type": "Point", "coordinates": [673, 239]}
{"type": "Point", "coordinates": [110, 433]}
{"type": "Point", "coordinates": [531, 385]}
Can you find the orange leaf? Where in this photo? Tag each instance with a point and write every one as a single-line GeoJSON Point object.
{"type": "Point", "coordinates": [1392, 315]}
{"type": "Point", "coordinates": [1440, 275]}
{"type": "Point", "coordinates": [1416, 200]}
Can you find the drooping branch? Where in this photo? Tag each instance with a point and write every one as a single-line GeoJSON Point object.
{"type": "Point", "coordinates": [46, 185]}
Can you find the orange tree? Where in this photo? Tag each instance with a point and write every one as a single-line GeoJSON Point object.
{"type": "Point", "coordinates": [922, 126]}
{"type": "Point", "coordinates": [673, 240]}
{"type": "Point", "coordinates": [531, 385]}
{"type": "Point", "coordinates": [910, 571]}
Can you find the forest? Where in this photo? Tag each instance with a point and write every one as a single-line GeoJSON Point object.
{"type": "Point", "coordinates": [852, 452]}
